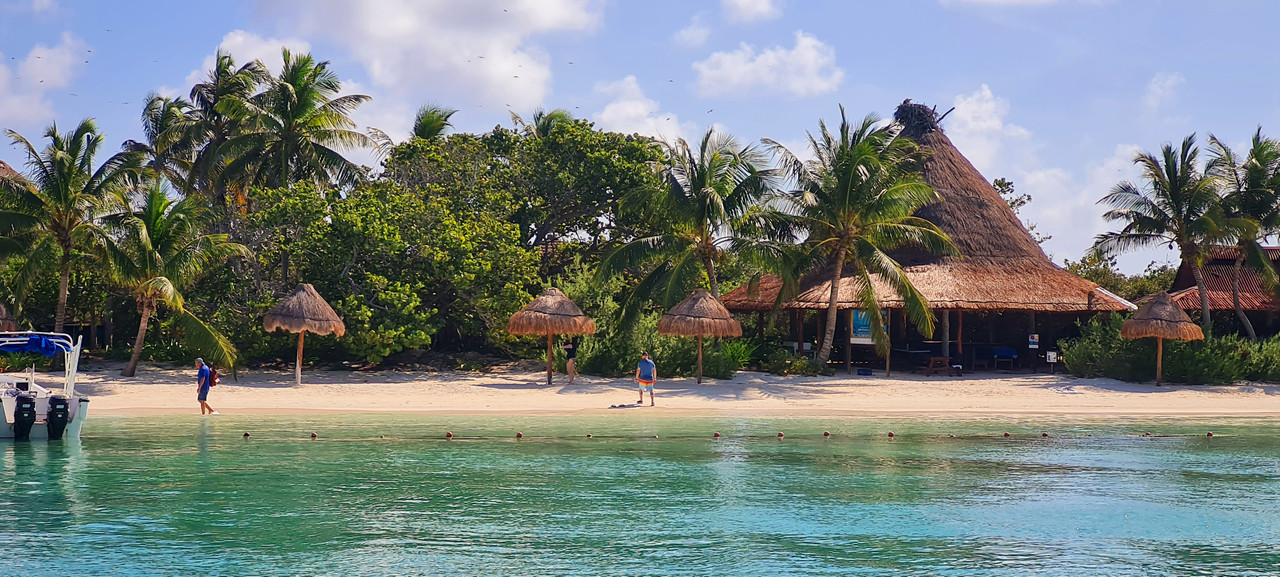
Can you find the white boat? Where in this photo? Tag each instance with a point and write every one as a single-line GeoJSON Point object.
{"type": "Point", "coordinates": [31, 411]}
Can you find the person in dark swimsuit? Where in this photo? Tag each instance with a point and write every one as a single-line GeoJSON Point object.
{"type": "Point", "coordinates": [571, 353]}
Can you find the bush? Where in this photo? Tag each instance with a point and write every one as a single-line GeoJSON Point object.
{"type": "Point", "coordinates": [1100, 351]}
{"type": "Point", "coordinates": [784, 362]}
{"type": "Point", "coordinates": [17, 362]}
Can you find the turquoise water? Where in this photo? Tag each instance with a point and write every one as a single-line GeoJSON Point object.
{"type": "Point", "coordinates": [191, 496]}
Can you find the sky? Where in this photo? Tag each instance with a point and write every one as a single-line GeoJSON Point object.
{"type": "Point", "coordinates": [1055, 95]}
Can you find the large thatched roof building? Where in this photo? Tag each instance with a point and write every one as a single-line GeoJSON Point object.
{"type": "Point", "coordinates": [6, 170]}
{"type": "Point", "coordinates": [1000, 267]}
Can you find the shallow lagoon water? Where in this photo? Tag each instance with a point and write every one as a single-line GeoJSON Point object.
{"type": "Point", "coordinates": [389, 495]}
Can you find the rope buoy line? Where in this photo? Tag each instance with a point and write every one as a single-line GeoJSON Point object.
{"type": "Point", "coordinates": [716, 435]}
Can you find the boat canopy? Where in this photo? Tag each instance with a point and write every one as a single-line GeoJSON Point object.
{"type": "Point", "coordinates": [47, 344]}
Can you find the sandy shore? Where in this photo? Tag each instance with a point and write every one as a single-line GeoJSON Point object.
{"type": "Point", "coordinates": [169, 391]}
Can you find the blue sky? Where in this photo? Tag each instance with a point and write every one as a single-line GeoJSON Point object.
{"type": "Point", "coordinates": [1053, 94]}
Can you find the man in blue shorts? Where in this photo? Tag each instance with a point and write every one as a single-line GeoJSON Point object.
{"type": "Point", "coordinates": [204, 380]}
{"type": "Point", "coordinates": [646, 375]}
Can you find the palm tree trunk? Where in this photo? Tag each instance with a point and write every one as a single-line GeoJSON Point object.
{"type": "Point", "coordinates": [146, 308]}
{"type": "Point", "coordinates": [833, 309]}
{"type": "Point", "coordinates": [1205, 322]}
{"type": "Point", "coordinates": [1235, 299]}
{"type": "Point", "coordinates": [64, 282]}
{"type": "Point", "coordinates": [710, 264]}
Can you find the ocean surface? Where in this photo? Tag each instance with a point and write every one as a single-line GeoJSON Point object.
{"type": "Point", "coordinates": [379, 495]}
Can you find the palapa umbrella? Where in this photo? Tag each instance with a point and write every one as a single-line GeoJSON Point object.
{"type": "Point", "coordinates": [551, 314]}
{"type": "Point", "coordinates": [1161, 318]}
{"type": "Point", "coordinates": [698, 316]}
{"type": "Point", "coordinates": [304, 310]}
{"type": "Point", "coordinates": [7, 321]}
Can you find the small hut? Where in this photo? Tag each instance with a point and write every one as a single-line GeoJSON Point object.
{"type": "Point", "coordinates": [7, 322]}
{"type": "Point", "coordinates": [302, 311]}
{"type": "Point", "coordinates": [551, 314]}
{"type": "Point", "coordinates": [700, 315]}
{"type": "Point", "coordinates": [1163, 319]}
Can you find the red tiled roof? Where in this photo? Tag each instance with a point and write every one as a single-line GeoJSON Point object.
{"type": "Point", "coordinates": [1217, 279]}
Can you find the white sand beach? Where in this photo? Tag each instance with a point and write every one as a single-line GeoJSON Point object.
{"type": "Point", "coordinates": [519, 390]}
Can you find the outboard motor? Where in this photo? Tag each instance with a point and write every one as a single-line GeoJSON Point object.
{"type": "Point", "coordinates": [24, 417]}
{"type": "Point", "coordinates": [58, 416]}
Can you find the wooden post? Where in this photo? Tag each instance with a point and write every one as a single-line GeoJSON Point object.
{"type": "Point", "coordinates": [960, 333]}
{"type": "Point", "coordinates": [550, 356]}
{"type": "Point", "coordinates": [888, 321]}
{"type": "Point", "coordinates": [848, 346]}
{"type": "Point", "coordinates": [800, 335]}
{"type": "Point", "coordinates": [699, 359]}
{"type": "Point", "coordinates": [1159, 359]}
{"type": "Point", "coordinates": [297, 371]}
{"type": "Point", "coordinates": [946, 336]}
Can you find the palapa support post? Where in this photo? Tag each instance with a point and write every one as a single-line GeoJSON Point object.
{"type": "Point", "coordinates": [946, 336]}
{"type": "Point", "coordinates": [550, 356]}
{"type": "Point", "coordinates": [297, 368]}
{"type": "Point", "coordinates": [699, 359]}
{"type": "Point", "coordinates": [1159, 359]}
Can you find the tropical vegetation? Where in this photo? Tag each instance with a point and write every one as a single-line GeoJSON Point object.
{"type": "Point", "coordinates": [175, 243]}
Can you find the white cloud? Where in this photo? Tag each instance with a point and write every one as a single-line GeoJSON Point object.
{"type": "Point", "coordinates": [695, 34]}
{"type": "Point", "coordinates": [39, 6]}
{"type": "Point", "coordinates": [445, 50]}
{"type": "Point", "coordinates": [23, 100]}
{"type": "Point", "coordinates": [1161, 89]}
{"type": "Point", "coordinates": [750, 10]}
{"type": "Point", "coordinates": [631, 111]}
{"type": "Point", "coordinates": [807, 69]}
{"type": "Point", "coordinates": [245, 47]}
{"type": "Point", "coordinates": [978, 129]}
{"type": "Point", "coordinates": [1002, 2]}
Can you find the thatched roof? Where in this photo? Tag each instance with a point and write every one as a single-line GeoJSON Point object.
{"type": "Point", "coordinates": [1000, 267]}
{"type": "Point", "coordinates": [7, 322]}
{"type": "Point", "coordinates": [551, 313]}
{"type": "Point", "coordinates": [6, 170]}
{"type": "Point", "coordinates": [304, 310]}
{"type": "Point", "coordinates": [699, 315]}
{"type": "Point", "coordinates": [1161, 317]}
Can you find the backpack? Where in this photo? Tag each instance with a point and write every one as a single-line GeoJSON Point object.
{"type": "Point", "coordinates": [213, 377]}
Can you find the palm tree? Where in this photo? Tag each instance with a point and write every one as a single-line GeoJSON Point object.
{"type": "Point", "coordinates": [856, 200]}
{"type": "Point", "coordinates": [430, 123]}
{"type": "Point", "coordinates": [710, 202]}
{"type": "Point", "coordinates": [207, 127]}
{"type": "Point", "coordinates": [542, 122]}
{"type": "Point", "coordinates": [160, 249]}
{"type": "Point", "coordinates": [164, 156]}
{"type": "Point", "coordinates": [1252, 201]}
{"type": "Point", "coordinates": [294, 128]}
{"type": "Point", "coordinates": [1178, 206]}
{"type": "Point", "coordinates": [55, 208]}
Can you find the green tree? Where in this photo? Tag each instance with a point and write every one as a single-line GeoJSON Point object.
{"type": "Point", "coordinates": [163, 157]}
{"type": "Point", "coordinates": [1252, 199]}
{"type": "Point", "coordinates": [431, 121]}
{"type": "Point", "coordinates": [53, 212]}
{"type": "Point", "coordinates": [159, 249]}
{"type": "Point", "coordinates": [207, 125]}
{"type": "Point", "coordinates": [710, 196]}
{"type": "Point", "coordinates": [1101, 269]}
{"type": "Point", "coordinates": [543, 121]}
{"type": "Point", "coordinates": [1016, 202]}
{"type": "Point", "coordinates": [856, 201]}
{"type": "Point", "coordinates": [1177, 206]}
{"type": "Point", "coordinates": [293, 131]}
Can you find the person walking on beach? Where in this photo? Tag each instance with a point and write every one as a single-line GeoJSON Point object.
{"type": "Point", "coordinates": [204, 380]}
{"type": "Point", "coordinates": [571, 353]}
{"type": "Point", "coordinates": [646, 375]}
